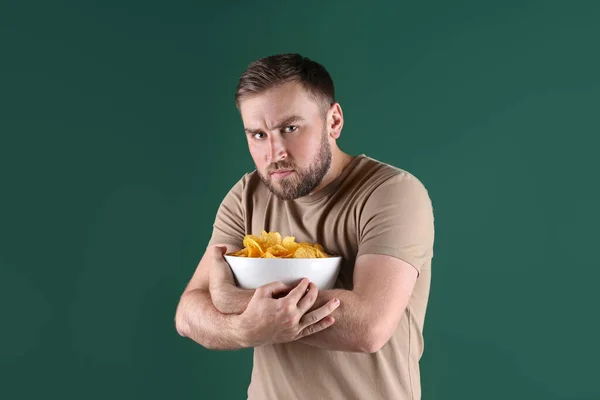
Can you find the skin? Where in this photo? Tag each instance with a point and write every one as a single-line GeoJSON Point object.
{"type": "Point", "coordinates": [306, 144]}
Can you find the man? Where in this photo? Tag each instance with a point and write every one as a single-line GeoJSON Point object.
{"type": "Point", "coordinates": [379, 218]}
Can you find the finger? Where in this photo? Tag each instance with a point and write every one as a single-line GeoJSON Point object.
{"type": "Point", "coordinates": [218, 251]}
{"type": "Point", "coordinates": [318, 327]}
{"type": "Point", "coordinates": [217, 259]}
{"type": "Point", "coordinates": [282, 292]}
{"type": "Point", "coordinates": [273, 288]}
{"type": "Point", "coordinates": [296, 293]}
{"type": "Point", "coordinates": [317, 315]}
{"type": "Point", "coordinates": [309, 298]}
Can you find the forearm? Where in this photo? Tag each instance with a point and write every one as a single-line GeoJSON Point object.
{"type": "Point", "coordinates": [198, 319]}
{"type": "Point", "coordinates": [351, 331]}
{"type": "Point", "coordinates": [232, 300]}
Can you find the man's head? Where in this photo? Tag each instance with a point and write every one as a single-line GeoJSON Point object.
{"type": "Point", "coordinates": [291, 121]}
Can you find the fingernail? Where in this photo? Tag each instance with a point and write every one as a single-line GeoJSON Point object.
{"type": "Point", "coordinates": [336, 301]}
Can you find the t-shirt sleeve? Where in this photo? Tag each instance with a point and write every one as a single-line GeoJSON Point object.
{"type": "Point", "coordinates": [397, 220]}
{"type": "Point", "coordinates": [228, 227]}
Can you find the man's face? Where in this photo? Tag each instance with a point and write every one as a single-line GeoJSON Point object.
{"type": "Point", "coordinates": [286, 131]}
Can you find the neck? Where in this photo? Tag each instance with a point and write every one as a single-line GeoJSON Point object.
{"type": "Point", "coordinates": [339, 161]}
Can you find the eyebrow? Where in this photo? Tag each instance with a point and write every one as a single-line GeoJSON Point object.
{"type": "Point", "coordinates": [289, 120]}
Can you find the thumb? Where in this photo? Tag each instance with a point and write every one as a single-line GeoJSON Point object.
{"type": "Point", "coordinates": [219, 251]}
{"type": "Point", "coordinates": [223, 250]}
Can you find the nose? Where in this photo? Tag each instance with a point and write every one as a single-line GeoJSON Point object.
{"type": "Point", "coordinates": [276, 151]}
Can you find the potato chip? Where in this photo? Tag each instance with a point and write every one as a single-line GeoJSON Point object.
{"type": "Point", "coordinates": [321, 254]}
{"type": "Point", "coordinates": [305, 252]}
{"type": "Point", "coordinates": [271, 245]}
{"type": "Point", "coordinates": [241, 253]}
{"type": "Point", "coordinates": [255, 252]}
{"type": "Point", "coordinates": [279, 251]}
{"type": "Point", "coordinates": [270, 239]}
{"type": "Point", "coordinates": [290, 244]}
{"type": "Point", "coordinates": [251, 240]}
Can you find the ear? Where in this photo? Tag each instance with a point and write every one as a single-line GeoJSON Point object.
{"type": "Point", "coordinates": [335, 120]}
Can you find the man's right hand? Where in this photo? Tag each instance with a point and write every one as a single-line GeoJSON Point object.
{"type": "Point", "coordinates": [269, 320]}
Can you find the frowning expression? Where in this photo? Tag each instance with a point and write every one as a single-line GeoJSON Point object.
{"type": "Point", "coordinates": [288, 139]}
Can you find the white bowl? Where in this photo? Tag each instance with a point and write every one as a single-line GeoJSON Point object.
{"type": "Point", "coordinates": [252, 273]}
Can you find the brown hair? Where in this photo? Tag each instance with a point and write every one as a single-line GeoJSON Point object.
{"type": "Point", "coordinates": [278, 69]}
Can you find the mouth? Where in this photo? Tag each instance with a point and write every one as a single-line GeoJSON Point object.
{"type": "Point", "coordinates": [282, 173]}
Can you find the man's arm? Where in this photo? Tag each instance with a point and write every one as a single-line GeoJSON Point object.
{"type": "Point", "coordinates": [226, 296]}
{"type": "Point", "coordinates": [198, 319]}
{"type": "Point", "coordinates": [367, 315]}
{"type": "Point", "coordinates": [396, 233]}
{"type": "Point", "coordinates": [268, 318]}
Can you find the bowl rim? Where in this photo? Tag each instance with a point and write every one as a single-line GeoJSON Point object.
{"type": "Point", "coordinates": [280, 258]}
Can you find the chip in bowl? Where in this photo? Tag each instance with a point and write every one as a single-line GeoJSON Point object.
{"type": "Point", "coordinates": [271, 245]}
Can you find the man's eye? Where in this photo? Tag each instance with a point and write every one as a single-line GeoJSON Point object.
{"type": "Point", "coordinates": [258, 133]}
{"type": "Point", "coordinates": [290, 128]}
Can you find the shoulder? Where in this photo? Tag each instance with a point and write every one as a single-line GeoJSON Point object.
{"type": "Point", "coordinates": [247, 182]}
{"type": "Point", "coordinates": [248, 189]}
{"type": "Point", "coordinates": [377, 178]}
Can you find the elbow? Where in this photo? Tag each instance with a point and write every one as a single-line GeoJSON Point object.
{"type": "Point", "coordinates": [185, 329]}
{"type": "Point", "coordinates": [374, 340]}
{"type": "Point", "coordinates": [181, 324]}
{"type": "Point", "coordinates": [371, 346]}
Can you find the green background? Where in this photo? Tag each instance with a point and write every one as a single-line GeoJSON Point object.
{"type": "Point", "coordinates": [119, 138]}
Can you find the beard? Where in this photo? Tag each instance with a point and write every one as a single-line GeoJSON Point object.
{"type": "Point", "coordinates": [301, 182]}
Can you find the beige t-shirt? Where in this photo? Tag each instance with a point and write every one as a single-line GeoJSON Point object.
{"type": "Point", "coordinates": [371, 208]}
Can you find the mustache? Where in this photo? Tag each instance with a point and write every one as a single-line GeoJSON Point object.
{"type": "Point", "coordinates": [276, 167]}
